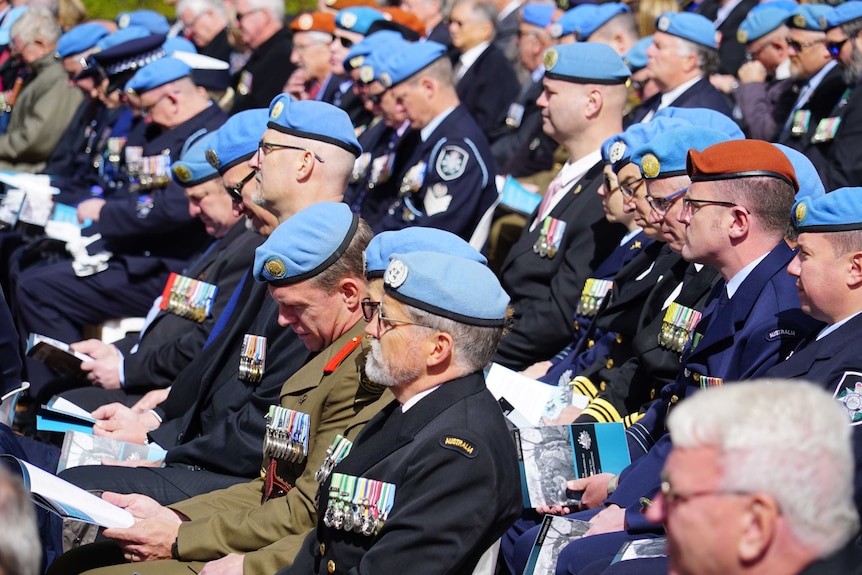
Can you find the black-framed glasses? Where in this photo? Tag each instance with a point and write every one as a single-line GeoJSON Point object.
{"type": "Point", "coordinates": [240, 16]}
{"type": "Point", "coordinates": [630, 188]}
{"type": "Point", "coordinates": [834, 48]}
{"type": "Point", "coordinates": [800, 46]}
{"type": "Point", "coordinates": [690, 205]}
{"type": "Point", "coordinates": [662, 205]}
{"type": "Point", "coordinates": [264, 148]}
{"type": "Point", "coordinates": [235, 191]}
{"type": "Point", "coordinates": [345, 42]}
{"type": "Point", "coordinates": [369, 308]}
{"type": "Point", "coordinates": [375, 98]}
{"type": "Point", "coordinates": [147, 110]}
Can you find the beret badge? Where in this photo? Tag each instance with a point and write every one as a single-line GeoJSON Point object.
{"type": "Point", "coordinates": [550, 59]}
{"type": "Point", "coordinates": [212, 158]}
{"type": "Point", "coordinates": [800, 213]}
{"type": "Point", "coordinates": [183, 173]}
{"type": "Point", "coordinates": [650, 166]}
{"type": "Point", "coordinates": [617, 151]}
{"type": "Point", "coordinates": [276, 110]}
{"type": "Point", "coordinates": [275, 267]}
{"type": "Point", "coordinates": [396, 274]}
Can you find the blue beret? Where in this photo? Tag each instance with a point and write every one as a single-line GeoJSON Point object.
{"type": "Point", "coordinates": [537, 14]}
{"type": "Point", "coordinates": [704, 117]}
{"type": "Point", "coordinates": [357, 19]}
{"type": "Point", "coordinates": [414, 239]}
{"type": "Point", "coordinates": [313, 120]}
{"type": "Point", "coordinates": [570, 21]}
{"type": "Point", "coordinates": [688, 26]}
{"type": "Point", "coordinates": [79, 39]}
{"type": "Point", "coordinates": [666, 154]}
{"type": "Point", "coordinates": [193, 168]}
{"type": "Point", "coordinates": [809, 180]}
{"type": "Point", "coordinates": [761, 22]}
{"type": "Point", "coordinates": [842, 14]}
{"type": "Point", "coordinates": [306, 244]}
{"type": "Point", "coordinates": [158, 73]}
{"type": "Point", "coordinates": [178, 44]}
{"type": "Point", "coordinates": [152, 21]}
{"type": "Point", "coordinates": [837, 211]}
{"type": "Point", "coordinates": [124, 35]}
{"type": "Point", "coordinates": [237, 139]}
{"type": "Point", "coordinates": [369, 45]}
{"type": "Point", "coordinates": [10, 19]}
{"type": "Point", "coordinates": [811, 17]}
{"type": "Point", "coordinates": [617, 150]}
{"type": "Point", "coordinates": [410, 58]}
{"type": "Point", "coordinates": [585, 63]}
{"type": "Point", "coordinates": [449, 286]}
{"type": "Point", "coordinates": [596, 16]}
{"type": "Point", "coordinates": [636, 58]}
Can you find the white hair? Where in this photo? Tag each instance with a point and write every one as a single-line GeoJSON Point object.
{"type": "Point", "coordinates": [20, 552]}
{"type": "Point", "coordinates": [198, 7]}
{"type": "Point", "coordinates": [36, 24]}
{"type": "Point", "coordinates": [274, 7]}
{"type": "Point", "coordinates": [789, 439]}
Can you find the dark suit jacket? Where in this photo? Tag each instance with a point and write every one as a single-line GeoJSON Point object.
{"type": "Point", "coordinates": [525, 149]}
{"type": "Point", "coordinates": [702, 94]}
{"type": "Point", "coordinates": [488, 87]}
{"type": "Point", "coordinates": [269, 67]}
{"type": "Point", "coordinates": [545, 291]}
{"type": "Point", "coordinates": [453, 498]}
{"type": "Point", "coordinates": [840, 161]}
{"type": "Point", "coordinates": [835, 362]}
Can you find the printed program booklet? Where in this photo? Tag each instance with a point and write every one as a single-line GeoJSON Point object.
{"type": "Point", "coordinates": [62, 415]}
{"type": "Point", "coordinates": [81, 448]}
{"type": "Point", "coordinates": [556, 532]}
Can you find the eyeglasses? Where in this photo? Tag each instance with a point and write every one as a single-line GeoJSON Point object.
{"type": "Point", "coordinates": [800, 46]}
{"type": "Point", "coordinates": [662, 205]}
{"type": "Point", "coordinates": [672, 496]}
{"type": "Point", "coordinates": [608, 188]}
{"type": "Point", "coordinates": [190, 25]}
{"type": "Point", "coordinates": [240, 16]}
{"type": "Point", "coordinates": [375, 98]}
{"type": "Point", "coordinates": [235, 191]}
{"type": "Point", "coordinates": [369, 308]}
{"type": "Point", "coordinates": [690, 206]}
{"type": "Point", "coordinates": [630, 188]}
{"type": "Point", "coordinates": [753, 54]}
{"type": "Point", "coordinates": [834, 48]}
{"type": "Point", "coordinates": [345, 42]}
{"type": "Point", "coordinates": [264, 148]}
{"type": "Point", "coordinates": [147, 110]}
{"type": "Point", "coordinates": [384, 324]}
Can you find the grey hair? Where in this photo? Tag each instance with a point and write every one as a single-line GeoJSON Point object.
{"type": "Point", "coordinates": [789, 439]}
{"type": "Point", "coordinates": [198, 7]}
{"type": "Point", "coordinates": [482, 10]}
{"type": "Point", "coordinates": [36, 24]}
{"type": "Point", "coordinates": [20, 551]}
{"type": "Point", "coordinates": [274, 7]}
{"type": "Point", "coordinates": [707, 58]}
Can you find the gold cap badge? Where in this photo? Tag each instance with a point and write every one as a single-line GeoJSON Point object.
{"type": "Point", "coordinates": [275, 268]}
{"type": "Point", "coordinates": [650, 166]}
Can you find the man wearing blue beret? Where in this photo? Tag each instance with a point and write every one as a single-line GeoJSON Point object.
{"type": "Point", "coordinates": [567, 236]}
{"type": "Point", "coordinates": [439, 461]}
{"type": "Point", "coordinates": [681, 58]}
{"type": "Point", "coordinates": [448, 182]}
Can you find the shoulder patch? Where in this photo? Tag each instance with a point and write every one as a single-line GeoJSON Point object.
{"type": "Point", "coordinates": [452, 162]}
{"type": "Point", "coordinates": [368, 385]}
{"type": "Point", "coordinates": [341, 355]}
{"type": "Point", "coordinates": [781, 333]}
{"type": "Point", "coordinates": [848, 392]}
{"type": "Point", "coordinates": [458, 444]}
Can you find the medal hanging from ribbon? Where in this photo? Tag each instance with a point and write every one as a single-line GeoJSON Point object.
{"type": "Point", "coordinates": [337, 450]}
{"type": "Point", "coordinates": [252, 359]}
{"type": "Point", "coordinates": [187, 297]}
{"type": "Point", "coordinates": [592, 295]}
{"type": "Point", "coordinates": [550, 237]}
{"type": "Point", "coordinates": [677, 326]}
{"type": "Point", "coordinates": [286, 437]}
{"type": "Point", "coordinates": [358, 504]}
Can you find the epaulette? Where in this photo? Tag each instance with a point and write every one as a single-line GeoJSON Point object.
{"type": "Point", "coordinates": [341, 355]}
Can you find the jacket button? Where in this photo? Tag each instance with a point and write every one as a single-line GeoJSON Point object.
{"type": "Point", "coordinates": [603, 386]}
{"type": "Point", "coordinates": [652, 393]}
{"type": "Point", "coordinates": [330, 566]}
{"type": "Point", "coordinates": [674, 399]}
{"type": "Point", "coordinates": [619, 338]}
{"type": "Point", "coordinates": [609, 364]}
{"type": "Point", "coordinates": [590, 344]}
{"type": "Point", "coordinates": [323, 548]}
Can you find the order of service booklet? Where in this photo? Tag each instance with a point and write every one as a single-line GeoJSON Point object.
{"type": "Point", "coordinates": [551, 455]}
{"type": "Point", "coordinates": [81, 448]}
{"type": "Point", "coordinates": [555, 533]}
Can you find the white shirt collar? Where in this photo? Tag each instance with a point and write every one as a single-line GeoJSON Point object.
{"type": "Point", "coordinates": [469, 58]}
{"type": "Point", "coordinates": [668, 98]}
{"type": "Point", "coordinates": [832, 327]}
{"type": "Point", "coordinates": [416, 398]}
{"type": "Point", "coordinates": [741, 275]}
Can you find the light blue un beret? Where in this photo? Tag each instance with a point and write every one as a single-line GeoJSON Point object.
{"type": "Point", "coordinates": [537, 14]}
{"type": "Point", "coordinates": [79, 39]}
{"type": "Point", "coordinates": [158, 73]}
{"type": "Point", "coordinates": [704, 117]}
{"type": "Point", "coordinates": [636, 58]}
{"type": "Point", "coordinates": [570, 21]}
{"type": "Point", "coordinates": [585, 63]}
{"type": "Point", "coordinates": [306, 244]}
{"type": "Point", "coordinates": [688, 26]}
{"type": "Point", "coordinates": [842, 14]}
{"type": "Point", "coordinates": [313, 120]}
{"type": "Point", "coordinates": [152, 21]}
{"type": "Point", "coordinates": [357, 19]}
{"type": "Point", "coordinates": [411, 57]}
{"type": "Point", "coordinates": [192, 168]}
{"type": "Point", "coordinates": [124, 35]}
{"type": "Point", "coordinates": [414, 239]}
{"type": "Point", "coordinates": [812, 17]}
{"type": "Point", "coordinates": [837, 211]}
{"type": "Point", "coordinates": [596, 16]}
{"type": "Point", "coordinates": [809, 180]}
{"type": "Point", "coordinates": [617, 150]}
{"type": "Point", "coordinates": [368, 45]}
{"type": "Point", "coordinates": [449, 286]}
{"type": "Point", "coordinates": [237, 139]}
{"type": "Point", "coordinates": [665, 156]}
{"type": "Point", "coordinates": [761, 22]}
{"type": "Point", "coordinates": [178, 44]}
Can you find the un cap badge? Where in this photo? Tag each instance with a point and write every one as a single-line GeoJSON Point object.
{"type": "Point", "coordinates": [663, 24]}
{"type": "Point", "coordinates": [183, 173]}
{"type": "Point", "coordinates": [212, 158]}
{"type": "Point", "coordinates": [742, 36]}
{"type": "Point", "coordinates": [800, 212]}
{"type": "Point", "coordinates": [799, 21]}
{"type": "Point", "coordinates": [617, 151]}
{"type": "Point", "coordinates": [275, 267]}
{"type": "Point", "coordinates": [348, 20]}
{"type": "Point", "coordinates": [550, 58]}
{"type": "Point", "coordinates": [366, 74]}
{"type": "Point", "coordinates": [650, 166]}
{"type": "Point", "coordinates": [276, 110]}
{"type": "Point", "coordinates": [124, 21]}
{"type": "Point", "coordinates": [396, 274]}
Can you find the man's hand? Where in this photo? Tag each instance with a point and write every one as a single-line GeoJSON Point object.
{"type": "Point", "coordinates": [90, 209]}
{"type": "Point", "coordinates": [117, 421]}
{"type": "Point", "coordinates": [153, 533]}
{"type": "Point", "coordinates": [151, 400]}
{"type": "Point", "coordinates": [537, 370]}
{"type": "Point", "coordinates": [227, 565]}
{"type": "Point", "coordinates": [752, 71]}
{"type": "Point", "coordinates": [142, 507]}
{"type": "Point", "coordinates": [594, 488]}
{"type": "Point", "coordinates": [723, 82]}
{"type": "Point", "coordinates": [609, 520]}
{"type": "Point", "coordinates": [95, 348]}
{"type": "Point", "coordinates": [103, 372]}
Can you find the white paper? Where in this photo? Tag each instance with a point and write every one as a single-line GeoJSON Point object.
{"type": "Point", "coordinates": [528, 396]}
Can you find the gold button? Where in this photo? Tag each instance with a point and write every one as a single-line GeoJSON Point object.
{"type": "Point", "coordinates": [323, 548]}
{"type": "Point", "coordinates": [619, 338]}
{"type": "Point", "coordinates": [652, 393]}
{"type": "Point", "coordinates": [590, 344]}
{"type": "Point", "coordinates": [609, 364]}
{"type": "Point", "coordinates": [576, 325]}
{"type": "Point", "coordinates": [330, 566]}
{"type": "Point", "coordinates": [695, 376]}
{"type": "Point", "coordinates": [603, 385]}
{"type": "Point", "coordinates": [674, 399]}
